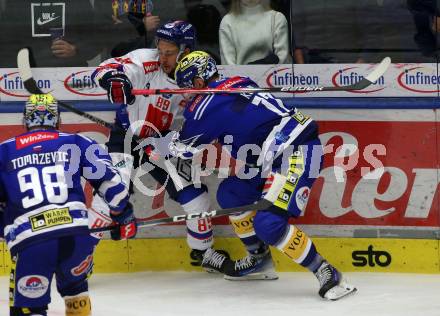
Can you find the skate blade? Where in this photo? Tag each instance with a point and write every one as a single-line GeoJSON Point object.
{"type": "Point", "coordinates": [341, 290]}
{"type": "Point", "coordinates": [253, 276]}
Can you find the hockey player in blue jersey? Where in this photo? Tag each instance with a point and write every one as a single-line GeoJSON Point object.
{"type": "Point", "coordinates": [45, 216]}
{"type": "Point", "coordinates": [270, 138]}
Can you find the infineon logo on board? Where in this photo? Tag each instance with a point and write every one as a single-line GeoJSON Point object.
{"type": "Point", "coordinates": [283, 77]}
{"type": "Point", "coordinates": [12, 85]}
{"type": "Point", "coordinates": [419, 79]}
{"type": "Point", "coordinates": [81, 83]}
{"type": "Point", "coordinates": [350, 75]}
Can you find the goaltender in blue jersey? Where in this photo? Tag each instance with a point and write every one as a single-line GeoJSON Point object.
{"type": "Point", "coordinates": [44, 213]}
{"type": "Point", "coordinates": [271, 139]}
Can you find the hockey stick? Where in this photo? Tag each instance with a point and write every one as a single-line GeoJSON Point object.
{"type": "Point", "coordinates": [30, 85]}
{"type": "Point", "coordinates": [372, 77]}
{"type": "Point", "coordinates": [263, 204]}
{"type": "Point", "coordinates": [267, 201]}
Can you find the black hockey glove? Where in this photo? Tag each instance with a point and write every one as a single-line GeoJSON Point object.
{"type": "Point", "coordinates": [125, 224]}
{"type": "Point", "coordinates": [118, 87]}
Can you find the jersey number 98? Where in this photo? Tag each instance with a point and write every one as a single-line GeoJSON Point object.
{"type": "Point", "coordinates": [51, 180]}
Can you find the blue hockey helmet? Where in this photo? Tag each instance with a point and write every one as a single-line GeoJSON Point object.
{"type": "Point", "coordinates": [182, 33]}
{"type": "Point", "coordinates": [195, 64]}
{"type": "Point", "coordinates": [41, 110]}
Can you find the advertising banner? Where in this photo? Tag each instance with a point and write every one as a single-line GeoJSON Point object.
{"type": "Point", "coordinates": [400, 80]}
{"type": "Point", "coordinates": [379, 176]}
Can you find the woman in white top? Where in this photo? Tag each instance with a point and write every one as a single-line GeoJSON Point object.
{"type": "Point", "coordinates": [251, 32]}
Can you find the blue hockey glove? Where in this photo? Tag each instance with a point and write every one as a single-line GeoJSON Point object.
{"type": "Point", "coordinates": [126, 226]}
{"type": "Point", "coordinates": [118, 87]}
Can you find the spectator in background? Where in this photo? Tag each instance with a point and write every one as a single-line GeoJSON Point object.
{"type": "Point", "coordinates": [57, 31]}
{"type": "Point", "coordinates": [426, 16]}
{"type": "Point", "coordinates": [326, 30]}
{"type": "Point", "coordinates": [253, 33]}
{"type": "Point", "coordinates": [130, 23]}
{"type": "Point", "coordinates": [385, 29]}
{"type": "Point", "coordinates": [285, 7]}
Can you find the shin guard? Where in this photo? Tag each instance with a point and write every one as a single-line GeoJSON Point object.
{"type": "Point", "coordinates": [298, 246]}
{"type": "Point", "coordinates": [78, 305]}
{"type": "Point", "coordinates": [243, 225]}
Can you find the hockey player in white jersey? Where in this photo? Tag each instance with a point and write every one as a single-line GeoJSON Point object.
{"type": "Point", "coordinates": [147, 115]}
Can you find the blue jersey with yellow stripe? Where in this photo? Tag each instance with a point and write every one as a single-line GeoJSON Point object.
{"type": "Point", "coordinates": [40, 183]}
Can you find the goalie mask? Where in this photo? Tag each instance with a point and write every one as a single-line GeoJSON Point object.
{"type": "Point", "coordinates": [41, 110]}
{"type": "Point", "coordinates": [195, 64]}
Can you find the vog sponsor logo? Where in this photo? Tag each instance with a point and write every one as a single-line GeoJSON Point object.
{"type": "Point", "coordinates": [350, 75]}
{"type": "Point", "coordinates": [81, 83]}
{"type": "Point", "coordinates": [281, 77]}
{"type": "Point", "coordinates": [419, 79]}
{"type": "Point", "coordinates": [33, 286]}
{"type": "Point", "coordinates": [12, 85]}
{"type": "Point", "coordinates": [371, 257]}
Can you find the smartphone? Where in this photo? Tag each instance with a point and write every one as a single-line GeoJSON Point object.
{"type": "Point", "coordinates": [56, 33]}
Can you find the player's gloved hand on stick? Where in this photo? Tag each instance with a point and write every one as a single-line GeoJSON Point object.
{"type": "Point", "coordinates": [118, 87]}
{"type": "Point", "coordinates": [126, 226]}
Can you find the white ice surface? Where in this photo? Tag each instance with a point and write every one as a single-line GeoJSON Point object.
{"type": "Point", "coordinates": [194, 294]}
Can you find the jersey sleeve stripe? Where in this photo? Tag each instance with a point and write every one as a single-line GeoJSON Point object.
{"type": "Point", "coordinates": [202, 107]}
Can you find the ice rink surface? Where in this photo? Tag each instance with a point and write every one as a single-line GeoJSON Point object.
{"type": "Point", "coordinates": [194, 294]}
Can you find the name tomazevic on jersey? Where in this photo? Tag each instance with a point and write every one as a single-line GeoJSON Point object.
{"type": "Point", "coordinates": [40, 159]}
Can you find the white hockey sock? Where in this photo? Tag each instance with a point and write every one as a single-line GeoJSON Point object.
{"type": "Point", "coordinates": [199, 231]}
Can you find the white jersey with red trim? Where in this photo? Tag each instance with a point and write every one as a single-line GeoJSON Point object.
{"type": "Point", "coordinates": [142, 67]}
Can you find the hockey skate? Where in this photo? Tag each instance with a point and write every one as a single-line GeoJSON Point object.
{"type": "Point", "coordinates": [332, 285]}
{"type": "Point", "coordinates": [213, 261]}
{"type": "Point", "coordinates": [252, 267]}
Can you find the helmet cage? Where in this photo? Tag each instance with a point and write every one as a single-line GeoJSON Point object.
{"type": "Point", "coordinates": [41, 110]}
{"type": "Point", "coordinates": [195, 64]}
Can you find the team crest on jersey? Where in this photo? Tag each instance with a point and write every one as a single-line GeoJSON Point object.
{"type": "Point", "coordinates": [50, 218]}
{"type": "Point", "coordinates": [151, 66]}
{"type": "Point", "coordinates": [34, 138]}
